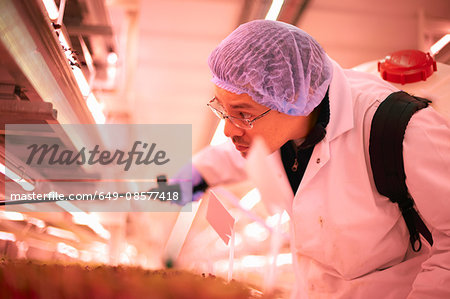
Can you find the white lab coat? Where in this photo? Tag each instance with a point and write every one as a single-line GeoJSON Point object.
{"type": "Point", "coordinates": [347, 240]}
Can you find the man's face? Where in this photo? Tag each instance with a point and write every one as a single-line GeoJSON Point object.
{"type": "Point", "coordinates": [275, 128]}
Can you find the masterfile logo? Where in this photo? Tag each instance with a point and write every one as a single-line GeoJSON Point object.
{"type": "Point", "coordinates": [53, 155]}
{"type": "Point", "coordinates": [106, 167]}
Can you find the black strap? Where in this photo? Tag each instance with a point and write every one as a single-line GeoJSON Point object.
{"type": "Point", "coordinates": [386, 157]}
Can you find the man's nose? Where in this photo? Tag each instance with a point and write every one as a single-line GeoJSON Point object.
{"type": "Point", "coordinates": [230, 130]}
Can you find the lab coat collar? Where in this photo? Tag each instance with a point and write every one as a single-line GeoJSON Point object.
{"type": "Point", "coordinates": [341, 104]}
{"type": "Point", "coordinates": [341, 120]}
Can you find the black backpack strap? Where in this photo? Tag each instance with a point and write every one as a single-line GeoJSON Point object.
{"type": "Point", "coordinates": [386, 157]}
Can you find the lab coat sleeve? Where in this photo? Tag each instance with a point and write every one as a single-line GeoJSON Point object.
{"type": "Point", "coordinates": [427, 167]}
{"type": "Point", "coordinates": [220, 164]}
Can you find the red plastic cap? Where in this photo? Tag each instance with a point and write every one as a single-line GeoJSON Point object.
{"type": "Point", "coordinates": [407, 66]}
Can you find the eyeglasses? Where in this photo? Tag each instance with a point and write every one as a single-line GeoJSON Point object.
{"type": "Point", "coordinates": [240, 122]}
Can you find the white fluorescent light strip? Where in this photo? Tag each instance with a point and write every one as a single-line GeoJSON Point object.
{"type": "Point", "coordinates": [434, 49]}
{"type": "Point", "coordinates": [253, 261]}
{"type": "Point", "coordinates": [7, 236]}
{"type": "Point", "coordinates": [91, 101]}
{"type": "Point", "coordinates": [67, 250]}
{"type": "Point", "coordinates": [82, 82]}
{"type": "Point", "coordinates": [96, 109]}
{"type": "Point", "coordinates": [284, 259]}
{"type": "Point", "coordinates": [83, 218]}
{"type": "Point", "coordinates": [38, 222]}
{"type": "Point", "coordinates": [258, 261]}
{"type": "Point", "coordinates": [79, 76]}
{"type": "Point", "coordinates": [51, 8]}
{"type": "Point", "coordinates": [256, 231]}
{"type": "Point", "coordinates": [93, 222]}
{"type": "Point", "coordinates": [274, 10]}
{"type": "Point", "coordinates": [13, 216]}
{"type": "Point", "coordinates": [61, 233]}
{"type": "Point", "coordinates": [250, 199]}
{"type": "Point", "coordinates": [26, 185]}
{"type": "Point", "coordinates": [273, 220]}
{"type": "Point", "coordinates": [64, 43]}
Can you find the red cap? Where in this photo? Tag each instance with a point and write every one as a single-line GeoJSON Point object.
{"type": "Point", "coordinates": [407, 66]}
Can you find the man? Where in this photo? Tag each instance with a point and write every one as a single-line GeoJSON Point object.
{"type": "Point", "coordinates": [274, 81]}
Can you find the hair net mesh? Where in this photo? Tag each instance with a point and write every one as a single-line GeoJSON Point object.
{"type": "Point", "coordinates": [277, 64]}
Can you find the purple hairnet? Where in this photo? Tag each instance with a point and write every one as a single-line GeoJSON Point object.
{"type": "Point", "coordinates": [277, 64]}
